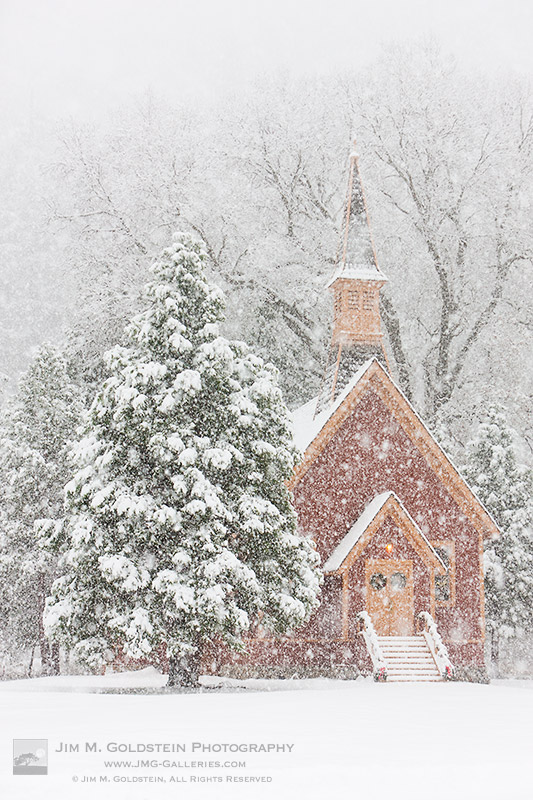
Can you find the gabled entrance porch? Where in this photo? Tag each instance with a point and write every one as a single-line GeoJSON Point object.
{"type": "Point", "coordinates": [387, 567]}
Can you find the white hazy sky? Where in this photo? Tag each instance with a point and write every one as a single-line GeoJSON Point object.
{"type": "Point", "coordinates": [79, 57]}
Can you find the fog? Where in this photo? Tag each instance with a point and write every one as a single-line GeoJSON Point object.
{"type": "Point", "coordinates": [79, 59]}
{"type": "Point", "coordinates": [68, 67]}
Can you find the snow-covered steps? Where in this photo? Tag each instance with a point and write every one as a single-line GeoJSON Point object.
{"type": "Point", "coordinates": [408, 658]}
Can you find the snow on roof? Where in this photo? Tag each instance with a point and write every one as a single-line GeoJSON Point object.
{"type": "Point", "coordinates": [356, 531]}
{"type": "Point", "coordinates": [363, 273]}
{"type": "Point", "coordinates": [362, 524]}
{"type": "Point", "coordinates": [306, 426]}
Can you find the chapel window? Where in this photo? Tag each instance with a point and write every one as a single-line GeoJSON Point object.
{"type": "Point", "coordinates": [444, 583]}
{"type": "Point", "coordinates": [378, 581]}
{"type": "Point", "coordinates": [368, 300]}
{"type": "Point", "coordinates": [397, 581]}
{"type": "Point", "coordinates": [353, 298]}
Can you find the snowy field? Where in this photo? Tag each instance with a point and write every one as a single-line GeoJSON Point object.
{"type": "Point", "coordinates": [368, 740]}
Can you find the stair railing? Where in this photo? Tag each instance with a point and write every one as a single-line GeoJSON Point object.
{"type": "Point", "coordinates": [436, 645]}
{"type": "Point", "coordinates": [372, 645]}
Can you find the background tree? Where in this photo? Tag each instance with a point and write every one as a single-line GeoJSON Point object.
{"type": "Point", "coordinates": [451, 157]}
{"type": "Point", "coordinates": [447, 165]}
{"type": "Point", "coordinates": [36, 431]}
{"type": "Point", "coordinates": [181, 527]}
{"type": "Point", "coordinates": [35, 291]}
{"type": "Point", "coordinates": [506, 489]}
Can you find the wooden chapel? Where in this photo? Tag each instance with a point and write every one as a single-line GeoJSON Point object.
{"type": "Point", "coordinates": [399, 532]}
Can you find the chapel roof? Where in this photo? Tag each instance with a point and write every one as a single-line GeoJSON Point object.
{"type": "Point", "coordinates": [307, 425]}
{"type": "Point", "coordinates": [357, 255]}
{"type": "Point", "coordinates": [356, 534]}
{"type": "Point", "coordinates": [312, 434]}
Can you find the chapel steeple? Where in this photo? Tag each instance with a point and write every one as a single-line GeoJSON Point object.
{"type": "Point", "coordinates": [357, 334]}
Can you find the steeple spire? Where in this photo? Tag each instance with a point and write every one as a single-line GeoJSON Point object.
{"type": "Point", "coordinates": [357, 334]}
{"type": "Point", "coordinates": [358, 256]}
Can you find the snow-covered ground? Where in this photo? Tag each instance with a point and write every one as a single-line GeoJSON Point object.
{"type": "Point", "coordinates": [366, 740]}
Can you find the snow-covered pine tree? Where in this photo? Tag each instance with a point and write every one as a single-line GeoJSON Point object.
{"type": "Point", "coordinates": [181, 527]}
{"type": "Point", "coordinates": [506, 488]}
{"type": "Point", "coordinates": [34, 438]}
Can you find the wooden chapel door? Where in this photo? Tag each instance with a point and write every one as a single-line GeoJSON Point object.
{"type": "Point", "coordinates": [389, 596]}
